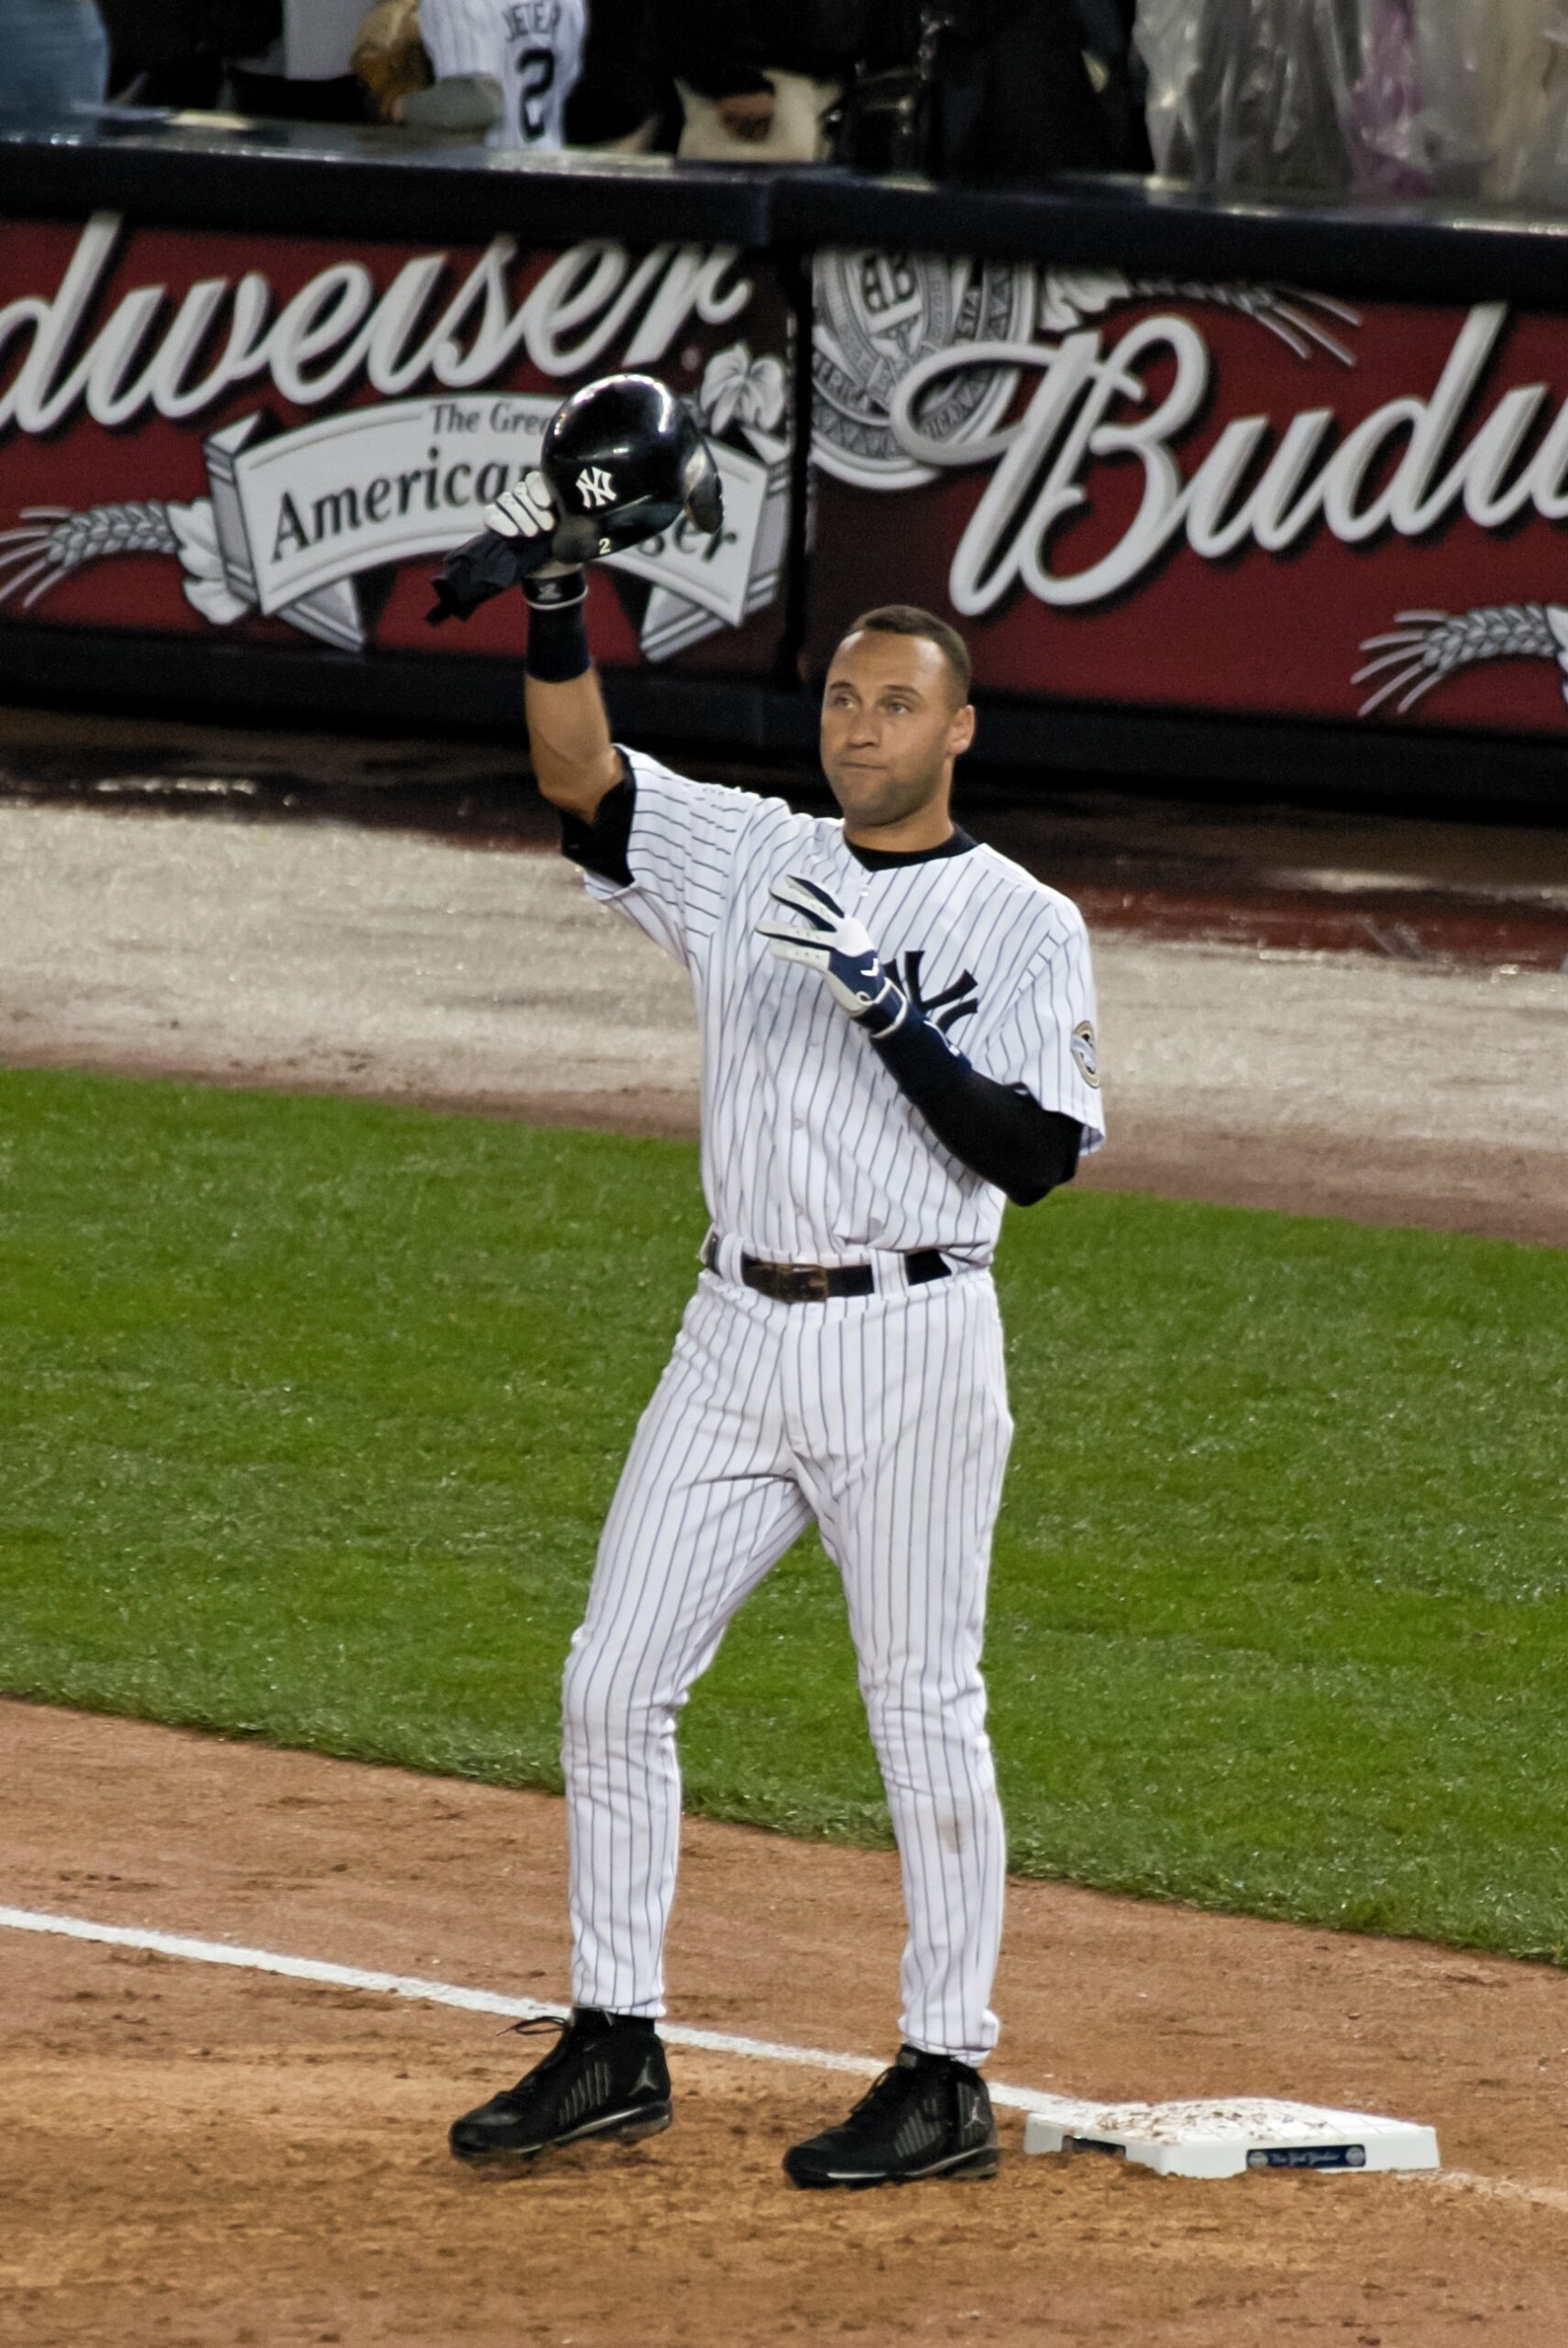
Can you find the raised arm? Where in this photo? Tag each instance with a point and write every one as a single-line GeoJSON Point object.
{"type": "Point", "coordinates": [621, 461]}
{"type": "Point", "coordinates": [575, 762]}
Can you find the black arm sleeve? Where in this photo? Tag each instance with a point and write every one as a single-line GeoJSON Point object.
{"type": "Point", "coordinates": [998, 1130]}
{"type": "Point", "coordinates": [602, 846]}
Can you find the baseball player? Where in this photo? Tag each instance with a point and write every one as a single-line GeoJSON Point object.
{"type": "Point", "coordinates": [898, 1035]}
{"type": "Point", "coordinates": [517, 60]}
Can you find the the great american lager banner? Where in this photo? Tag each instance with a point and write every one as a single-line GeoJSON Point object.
{"type": "Point", "coordinates": [271, 436]}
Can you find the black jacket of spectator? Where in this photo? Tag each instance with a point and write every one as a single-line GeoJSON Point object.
{"type": "Point", "coordinates": [1015, 101]}
{"type": "Point", "coordinates": [174, 51]}
{"type": "Point", "coordinates": [723, 48]}
{"type": "Point", "coordinates": [626, 77]}
{"type": "Point", "coordinates": [1012, 103]}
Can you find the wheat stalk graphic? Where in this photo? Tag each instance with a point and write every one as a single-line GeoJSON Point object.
{"type": "Point", "coordinates": [1425, 647]}
{"type": "Point", "coordinates": [1291, 315]}
{"type": "Point", "coordinates": [1306, 323]}
{"type": "Point", "coordinates": [54, 542]}
{"type": "Point", "coordinates": [1423, 651]}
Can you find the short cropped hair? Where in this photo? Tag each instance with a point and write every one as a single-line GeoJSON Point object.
{"type": "Point", "coordinates": [908, 619]}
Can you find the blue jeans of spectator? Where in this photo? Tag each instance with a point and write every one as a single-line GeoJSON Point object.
{"type": "Point", "coordinates": [56, 53]}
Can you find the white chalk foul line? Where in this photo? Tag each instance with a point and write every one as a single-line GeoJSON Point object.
{"type": "Point", "coordinates": [709, 2042]}
{"type": "Point", "coordinates": [447, 1993]}
{"type": "Point", "coordinates": [1503, 2188]}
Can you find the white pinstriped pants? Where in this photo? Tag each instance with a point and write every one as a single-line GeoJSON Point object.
{"type": "Point", "coordinates": [885, 1418]}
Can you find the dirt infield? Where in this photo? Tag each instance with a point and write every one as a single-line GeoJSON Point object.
{"type": "Point", "coordinates": [196, 2156]}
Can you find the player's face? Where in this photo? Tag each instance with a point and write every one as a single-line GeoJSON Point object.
{"type": "Point", "coordinates": [891, 727]}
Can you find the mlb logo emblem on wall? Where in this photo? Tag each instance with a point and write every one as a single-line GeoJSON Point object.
{"type": "Point", "coordinates": [877, 316]}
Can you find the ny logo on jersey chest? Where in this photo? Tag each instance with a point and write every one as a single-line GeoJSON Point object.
{"type": "Point", "coordinates": [943, 1009]}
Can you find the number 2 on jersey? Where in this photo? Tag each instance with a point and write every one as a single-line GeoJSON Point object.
{"type": "Point", "coordinates": [535, 80]}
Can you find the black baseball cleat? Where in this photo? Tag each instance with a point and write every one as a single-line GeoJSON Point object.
{"type": "Point", "coordinates": [607, 2077]}
{"type": "Point", "coordinates": [929, 2116]}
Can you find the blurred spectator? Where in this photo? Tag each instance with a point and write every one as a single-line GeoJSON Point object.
{"type": "Point", "coordinates": [298, 69]}
{"type": "Point", "coordinates": [390, 61]}
{"type": "Point", "coordinates": [624, 98]}
{"type": "Point", "coordinates": [56, 55]}
{"type": "Point", "coordinates": [991, 91]}
{"type": "Point", "coordinates": [1107, 25]}
{"type": "Point", "coordinates": [165, 52]}
{"type": "Point", "coordinates": [757, 82]}
{"type": "Point", "coordinates": [503, 70]}
{"type": "Point", "coordinates": [1387, 98]}
{"type": "Point", "coordinates": [284, 58]}
{"type": "Point", "coordinates": [1014, 100]}
{"type": "Point", "coordinates": [1119, 79]}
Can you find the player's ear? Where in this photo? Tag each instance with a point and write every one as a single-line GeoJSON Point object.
{"type": "Point", "coordinates": [962, 732]}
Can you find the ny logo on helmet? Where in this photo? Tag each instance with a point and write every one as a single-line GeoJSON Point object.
{"type": "Point", "coordinates": [595, 487]}
{"type": "Point", "coordinates": [943, 1010]}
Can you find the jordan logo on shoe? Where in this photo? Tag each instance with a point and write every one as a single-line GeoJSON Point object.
{"type": "Point", "coordinates": [646, 2078]}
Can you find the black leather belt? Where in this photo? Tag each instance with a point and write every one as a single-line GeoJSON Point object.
{"type": "Point", "coordinates": [815, 1284]}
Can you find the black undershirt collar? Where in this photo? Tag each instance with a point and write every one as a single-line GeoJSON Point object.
{"type": "Point", "coordinates": [882, 859]}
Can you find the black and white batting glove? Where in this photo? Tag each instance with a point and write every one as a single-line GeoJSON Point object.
{"type": "Point", "coordinates": [526, 510]}
{"type": "Point", "coordinates": [528, 515]}
{"type": "Point", "coordinates": [824, 937]}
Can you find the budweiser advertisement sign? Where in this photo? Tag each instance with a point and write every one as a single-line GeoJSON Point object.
{"type": "Point", "coordinates": [263, 435]}
{"type": "Point", "coordinates": [1235, 498]}
{"type": "Point", "coordinates": [1231, 498]}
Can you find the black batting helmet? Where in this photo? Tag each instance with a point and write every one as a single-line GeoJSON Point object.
{"type": "Point", "coordinates": [625, 459]}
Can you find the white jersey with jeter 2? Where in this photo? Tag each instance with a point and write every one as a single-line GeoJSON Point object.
{"type": "Point", "coordinates": [532, 48]}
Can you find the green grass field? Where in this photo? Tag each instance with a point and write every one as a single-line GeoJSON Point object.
{"type": "Point", "coordinates": [312, 1408]}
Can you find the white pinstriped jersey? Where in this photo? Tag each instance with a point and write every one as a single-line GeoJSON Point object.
{"type": "Point", "coordinates": [810, 1152]}
{"type": "Point", "coordinates": [533, 48]}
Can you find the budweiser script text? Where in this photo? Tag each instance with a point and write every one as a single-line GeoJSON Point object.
{"type": "Point", "coordinates": [1098, 405]}
{"type": "Point", "coordinates": [1259, 486]}
{"type": "Point", "coordinates": [222, 333]}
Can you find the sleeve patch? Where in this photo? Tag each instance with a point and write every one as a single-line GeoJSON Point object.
{"type": "Point", "coordinates": [1086, 1051]}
